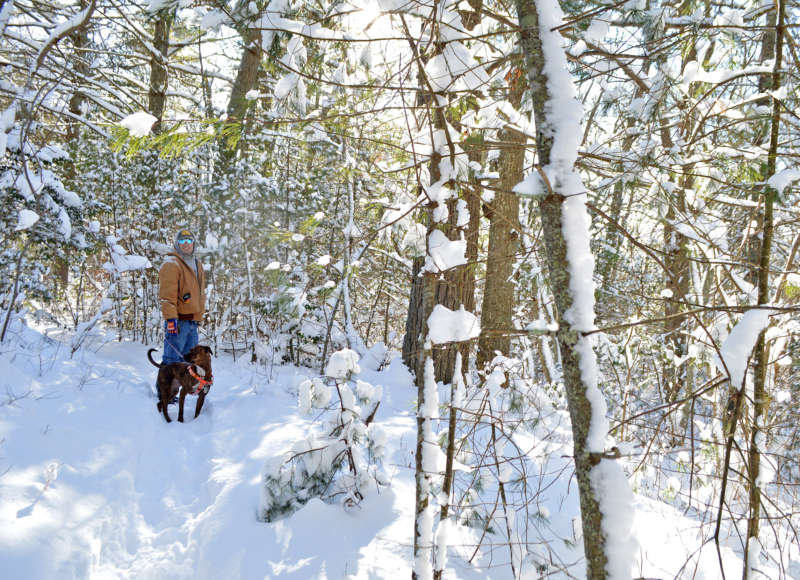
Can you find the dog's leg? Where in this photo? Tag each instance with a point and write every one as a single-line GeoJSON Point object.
{"type": "Point", "coordinates": [200, 399]}
{"type": "Point", "coordinates": [167, 388]}
{"type": "Point", "coordinates": [162, 406]}
{"type": "Point", "coordinates": [180, 404]}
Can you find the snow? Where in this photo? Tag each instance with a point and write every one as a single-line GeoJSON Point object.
{"type": "Point", "coordinates": [213, 19]}
{"type": "Point", "coordinates": [63, 27]}
{"type": "Point", "coordinates": [139, 123]}
{"type": "Point", "coordinates": [211, 242]}
{"type": "Point", "coordinates": [32, 183]}
{"type": "Point", "coordinates": [693, 72]}
{"type": "Point", "coordinates": [431, 452]}
{"type": "Point", "coordinates": [26, 219]}
{"type": "Point", "coordinates": [541, 326]}
{"type": "Point", "coordinates": [129, 262]}
{"type": "Point", "coordinates": [96, 485]}
{"type": "Point", "coordinates": [414, 240]}
{"type": "Point", "coordinates": [444, 253]}
{"type": "Point", "coordinates": [285, 85]}
{"type": "Point", "coordinates": [154, 6]}
{"type": "Point", "coordinates": [730, 17]}
{"type": "Point", "coordinates": [455, 69]}
{"type": "Point", "coordinates": [597, 31]}
{"type": "Point", "coordinates": [782, 179]}
{"type": "Point", "coordinates": [736, 349]}
{"type": "Point", "coordinates": [445, 325]}
{"type": "Point", "coordinates": [342, 363]}
{"type": "Point", "coordinates": [6, 118]}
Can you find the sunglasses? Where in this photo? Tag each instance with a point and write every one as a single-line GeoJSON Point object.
{"type": "Point", "coordinates": [185, 241]}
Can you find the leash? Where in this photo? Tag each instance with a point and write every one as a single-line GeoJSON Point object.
{"type": "Point", "coordinates": [180, 354]}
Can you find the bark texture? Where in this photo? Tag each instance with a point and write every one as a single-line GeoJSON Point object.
{"type": "Point", "coordinates": [503, 213]}
{"type": "Point", "coordinates": [157, 93]}
{"type": "Point", "coordinates": [415, 322]}
{"type": "Point", "coordinates": [245, 81]}
{"type": "Point", "coordinates": [80, 44]}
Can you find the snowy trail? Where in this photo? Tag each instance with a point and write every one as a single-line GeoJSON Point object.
{"type": "Point", "coordinates": [131, 496]}
{"type": "Point", "coordinates": [94, 484]}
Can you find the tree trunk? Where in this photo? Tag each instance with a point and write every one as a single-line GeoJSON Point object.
{"type": "Point", "coordinates": [245, 81]}
{"type": "Point", "coordinates": [456, 287]}
{"type": "Point", "coordinates": [472, 195]}
{"type": "Point", "coordinates": [760, 396]}
{"type": "Point", "coordinates": [415, 321]}
{"type": "Point", "coordinates": [157, 94]}
{"type": "Point", "coordinates": [503, 213]}
{"type": "Point", "coordinates": [80, 63]}
{"type": "Point", "coordinates": [676, 260]}
{"type": "Point", "coordinates": [563, 208]}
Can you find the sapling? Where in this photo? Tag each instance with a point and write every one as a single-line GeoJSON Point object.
{"type": "Point", "coordinates": [340, 459]}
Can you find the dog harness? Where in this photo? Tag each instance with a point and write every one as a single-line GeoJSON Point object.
{"type": "Point", "coordinates": [202, 384]}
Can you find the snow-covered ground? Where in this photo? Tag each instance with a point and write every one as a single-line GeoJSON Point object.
{"type": "Point", "coordinates": [94, 483]}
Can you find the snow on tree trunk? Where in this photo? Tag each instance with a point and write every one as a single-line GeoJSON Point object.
{"type": "Point", "coordinates": [605, 496]}
{"type": "Point", "coordinates": [427, 454]}
{"type": "Point", "coordinates": [353, 339]}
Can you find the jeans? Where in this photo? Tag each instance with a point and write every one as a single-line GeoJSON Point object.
{"type": "Point", "coordinates": [177, 345]}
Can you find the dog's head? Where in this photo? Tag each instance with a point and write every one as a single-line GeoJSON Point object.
{"type": "Point", "coordinates": [200, 357]}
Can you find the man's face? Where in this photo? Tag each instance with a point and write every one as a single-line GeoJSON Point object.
{"type": "Point", "coordinates": [186, 244]}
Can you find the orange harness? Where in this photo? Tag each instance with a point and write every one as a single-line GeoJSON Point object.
{"type": "Point", "coordinates": [201, 382]}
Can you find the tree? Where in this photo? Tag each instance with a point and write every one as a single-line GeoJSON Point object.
{"type": "Point", "coordinates": [566, 239]}
{"type": "Point", "coordinates": [503, 213]}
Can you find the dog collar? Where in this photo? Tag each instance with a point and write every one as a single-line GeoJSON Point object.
{"type": "Point", "coordinates": [202, 384]}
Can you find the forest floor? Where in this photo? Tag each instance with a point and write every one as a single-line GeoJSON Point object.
{"type": "Point", "coordinates": [95, 484]}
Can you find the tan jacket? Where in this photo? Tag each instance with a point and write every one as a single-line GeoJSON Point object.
{"type": "Point", "coordinates": [180, 291]}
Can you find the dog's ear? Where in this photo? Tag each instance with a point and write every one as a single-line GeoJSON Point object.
{"type": "Point", "coordinates": [208, 349]}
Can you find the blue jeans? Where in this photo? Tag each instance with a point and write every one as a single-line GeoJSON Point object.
{"type": "Point", "coordinates": [177, 345]}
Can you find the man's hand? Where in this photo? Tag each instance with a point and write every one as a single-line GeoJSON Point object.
{"type": "Point", "coordinates": [172, 326]}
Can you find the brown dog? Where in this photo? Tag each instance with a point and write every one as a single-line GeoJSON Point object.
{"type": "Point", "coordinates": [184, 377]}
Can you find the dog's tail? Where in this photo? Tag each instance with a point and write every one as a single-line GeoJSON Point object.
{"type": "Point", "coordinates": [150, 356]}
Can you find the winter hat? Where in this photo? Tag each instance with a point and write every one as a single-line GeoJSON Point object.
{"type": "Point", "coordinates": [184, 233]}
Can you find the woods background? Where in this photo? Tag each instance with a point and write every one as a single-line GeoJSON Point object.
{"type": "Point", "coordinates": [315, 147]}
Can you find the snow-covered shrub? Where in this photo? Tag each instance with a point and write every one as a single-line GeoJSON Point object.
{"type": "Point", "coordinates": [338, 461]}
{"type": "Point", "coordinates": [294, 324]}
{"type": "Point", "coordinates": [42, 224]}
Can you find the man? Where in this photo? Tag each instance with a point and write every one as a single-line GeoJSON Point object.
{"type": "Point", "coordinates": [183, 301]}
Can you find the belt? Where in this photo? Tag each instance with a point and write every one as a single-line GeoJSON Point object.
{"type": "Point", "coordinates": [185, 316]}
